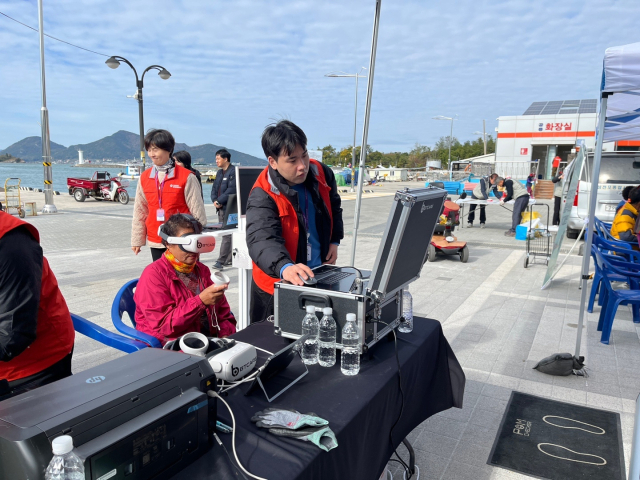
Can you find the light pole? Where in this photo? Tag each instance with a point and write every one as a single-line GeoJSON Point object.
{"type": "Point", "coordinates": [163, 73]}
{"type": "Point", "coordinates": [484, 139]}
{"type": "Point", "coordinates": [442, 117]}
{"type": "Point", "coordinates": [49, 206]}
{"type": "Point", "coordinates": [355, 119]}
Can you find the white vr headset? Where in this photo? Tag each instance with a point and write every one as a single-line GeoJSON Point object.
{"type": "Point", "coordinates": [196, 242]}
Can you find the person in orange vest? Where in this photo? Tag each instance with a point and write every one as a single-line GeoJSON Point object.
{"type": "Point", "coordinates": [36, 330]}
{"type": "Point", "coordinates": [163, 190]}
{"type": "Point", "coordinates": [294, 217]}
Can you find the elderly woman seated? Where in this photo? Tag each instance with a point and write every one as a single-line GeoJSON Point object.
{"type": "Point", "coordinates": [175, 294]}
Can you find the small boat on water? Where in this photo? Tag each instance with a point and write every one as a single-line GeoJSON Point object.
{"type": "Point", "coordinates": [132, 172]}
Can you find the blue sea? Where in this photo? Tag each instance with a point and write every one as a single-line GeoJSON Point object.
{"type": "Point", "coordinates": [32, 175]}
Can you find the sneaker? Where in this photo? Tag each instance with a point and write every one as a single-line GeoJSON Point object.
{"type": "Point", "coordinates": [218, 266]}
{"type": "Point", "coordinates": [482, 225]}
{"type": "Point", "coordinates": [509, 233]}
{"type": "Point", "coordinates": [469, 225]}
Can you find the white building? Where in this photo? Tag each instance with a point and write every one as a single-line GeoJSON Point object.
{"type": "Point", "coordinates": [391, 174]}
{"type": "Point", "coordinates": [544, 131]}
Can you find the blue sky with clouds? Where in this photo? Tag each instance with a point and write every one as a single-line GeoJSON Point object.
{"type": "Point", "coordinates": [236, 66]}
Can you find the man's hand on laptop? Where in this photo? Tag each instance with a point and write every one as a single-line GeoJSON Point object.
{"type": "Point", "coordinates": [291, 273]}
{"type": "Point", "coordinates": [333, 254]}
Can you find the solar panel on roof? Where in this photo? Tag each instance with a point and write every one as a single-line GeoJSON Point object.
{"type": "Point", "coordinates": [562, 107]}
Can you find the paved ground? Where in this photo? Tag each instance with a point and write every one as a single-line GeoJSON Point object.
{"type": "Point", "coordinates": [497, 319]}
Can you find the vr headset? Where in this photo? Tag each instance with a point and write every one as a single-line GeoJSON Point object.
{"type": "Point", "coordinates": [196, 242]}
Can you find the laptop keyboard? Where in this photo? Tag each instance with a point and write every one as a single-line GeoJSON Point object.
{"type": "Point", "coordinates": [332, 278]}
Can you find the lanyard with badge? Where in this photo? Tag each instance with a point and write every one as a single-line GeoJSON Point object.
{"type": "Point", "coordinates": [159, 189]}
{"type": "Point", "coordinates": [305, 215]}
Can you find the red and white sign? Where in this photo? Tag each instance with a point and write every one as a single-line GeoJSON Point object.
{"type": "Point", "coordinates": [558, 127]}
{"type": "Point", "coordinates": [524, 151]}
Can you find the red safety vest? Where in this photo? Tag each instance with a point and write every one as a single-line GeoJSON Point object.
{"type": "Point", "coordinates": [289, 219]}
{"type": "Point", "coordinates": [54, 333]}
{"type": "Point", "coordinates": [173, 200]}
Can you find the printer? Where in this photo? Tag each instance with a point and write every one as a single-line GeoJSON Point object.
{"type": "Point", "coordinates": [143, 415]}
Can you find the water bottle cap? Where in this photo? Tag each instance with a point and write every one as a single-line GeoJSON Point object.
{"type": "Point", "coordinates": [311, 309]}
{"type": "Point", "coordinates": [62, 445]}
{"type": "Point", "coordinates": [351, 317]}
{"type": "Point", "coordinates": [327, 310]}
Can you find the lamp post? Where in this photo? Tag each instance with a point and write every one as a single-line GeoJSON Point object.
{"type": "Point", "coordinates": [355, 119]}
{"type": "Point", "coordinates": [442, 117]}
{"type": "Point", "coordinates": [163, 73]}
{"type": "Point", "coordinates": [484, 139]}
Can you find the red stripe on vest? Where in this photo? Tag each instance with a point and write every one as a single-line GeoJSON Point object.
{"type": "Point", "coordinates": [54, 333]}
{"type": "Point", "coordinates": [289, 220]}
{"type": "Point", "coordinates": [173, 200]}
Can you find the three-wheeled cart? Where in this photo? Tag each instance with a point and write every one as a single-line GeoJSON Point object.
{"type": "Point", "coordinates": [538, 237]}
{"type": "Point", "coordinates": [13, 205]}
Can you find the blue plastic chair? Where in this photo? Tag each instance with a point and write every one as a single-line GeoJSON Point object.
{"type": "Point", "coordinates": [604, 229]}
{"type": "Point", "coordinates": [124, 303]}
{"type": "Point", "coordinates": [96, 332]}
{"type": "Point", "coordinates": [611, 267]}
{"type": "Point", "coordinates": [623, 251]}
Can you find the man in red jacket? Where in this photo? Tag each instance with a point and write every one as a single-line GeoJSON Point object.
{"type": "Point", "coordinates": [36, 330]}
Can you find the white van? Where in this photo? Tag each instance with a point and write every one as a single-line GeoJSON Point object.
{"type": "Point", "coordinates": [617, 171]}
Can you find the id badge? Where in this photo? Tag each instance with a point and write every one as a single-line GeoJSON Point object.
{"type": "Point", "coordinates": [308, 252]}
{"type": "Point", "coordinates": [160, 215]}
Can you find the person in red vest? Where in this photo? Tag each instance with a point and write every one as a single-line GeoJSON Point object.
{"type": "Point", "coordinates": [163, 190]}
{"type": "Point", "coordinates": [294, 217]}
{"type": "Point", "coordinates": [36, 330]}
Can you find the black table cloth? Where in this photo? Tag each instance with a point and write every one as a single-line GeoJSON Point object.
{"type": "Point", "coordinates": [360, 409]}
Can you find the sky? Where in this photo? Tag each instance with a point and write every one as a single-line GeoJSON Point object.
{"type": "Point", "coordinates": [238, 66]}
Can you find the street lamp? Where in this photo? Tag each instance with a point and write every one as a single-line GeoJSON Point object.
{"type": "Point", "coordinates": [163, 73]}
{"type": "Point", "coordinates": [355, 120]}
{"type": "Point", "coordinates": [442, 117]}
{"type": "Point", "coordinates": [484, 135]}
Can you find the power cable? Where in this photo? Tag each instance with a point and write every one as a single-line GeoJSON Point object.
{"type": "Point", "coordinates": [54, 38]}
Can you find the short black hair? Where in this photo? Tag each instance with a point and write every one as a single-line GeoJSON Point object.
{"type": "Point", "coordinates": [626, 191]}
{"type": "Point", "coordinates": [224, 153]}
{"type": "Point", "coordinates": [161, 139]}
{"type": "Point", "coordinates": [184, 158]}
{"type": "Point", "coordinates": [282, 139]}
{"type": "Point", "coordinates": [177, 222]}
{"type": "Point", "coordinates": [634, 195]}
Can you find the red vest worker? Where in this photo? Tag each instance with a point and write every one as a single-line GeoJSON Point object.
{"type": "Point", "coordinates": [36, 331]}
{"type": "Point", "coordinates": [294, 218]}
{"type": "Point", "coordinates": [163, 190]}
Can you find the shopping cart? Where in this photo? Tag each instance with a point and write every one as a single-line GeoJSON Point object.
{"type": "Point", "coordinates": [538, 237]}
{"type": "Point", "coordinates": [13, 205]}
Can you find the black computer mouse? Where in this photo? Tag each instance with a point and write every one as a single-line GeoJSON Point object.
{"type": "Point", "coordinates": [308, 281]}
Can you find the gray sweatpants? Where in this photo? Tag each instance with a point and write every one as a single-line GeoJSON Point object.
{"type": "Point", "coordinates": [519, 208]}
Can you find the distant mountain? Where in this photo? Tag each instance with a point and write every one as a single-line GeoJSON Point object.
{"type": "Point", "coordinates": [30, 149]}
{"type": "Point", "coordinates": [122, 146]}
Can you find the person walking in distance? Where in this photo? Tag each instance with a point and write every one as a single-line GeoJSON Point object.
{"type": "Point", "coordinates": [557, 197]}
{"type": "Point", "coordinates": [481, 192]}
{"type": "Point", "coordinates": [163, 190]}
{"type": "Point", "coordinates": [223, 186]}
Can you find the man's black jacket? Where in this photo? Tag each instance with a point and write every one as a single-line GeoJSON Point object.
{"type": "Point", "coordinates": [223, 186]}
{"type": "Point", "coordinates": [264, 229]}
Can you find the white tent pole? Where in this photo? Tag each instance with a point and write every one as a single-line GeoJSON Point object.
{"type": "Point", "coordinates": [593, 198]}
{"type": "Point", "coordinates": [365, 130]}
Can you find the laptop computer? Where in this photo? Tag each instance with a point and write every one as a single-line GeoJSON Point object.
{"type": "Point", "coordinates": [230, 218]}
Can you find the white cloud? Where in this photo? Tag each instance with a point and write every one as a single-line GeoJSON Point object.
{"type": "Point", "coordinates": [238, 65]}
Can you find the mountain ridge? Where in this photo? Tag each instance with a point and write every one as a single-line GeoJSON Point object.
{"type": "Point", "coordinates": [122, 146]}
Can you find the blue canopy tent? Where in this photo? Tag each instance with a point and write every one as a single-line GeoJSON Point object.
{"type": "Point", "coordinates": [618, 119]}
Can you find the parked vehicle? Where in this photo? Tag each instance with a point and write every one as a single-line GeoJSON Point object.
{"type": "Point", "coordinates": [100, 186]}
{"type": "Point", "coordinates": [617, 170]}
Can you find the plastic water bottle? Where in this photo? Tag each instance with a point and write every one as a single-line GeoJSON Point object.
{"type": "Point", "coordinates": [350, 361]}
{"type": "Point", "coordinates": [65, 464]}
{"type": "Point", "coordinates": [311, 326]}
{"type": "Point", "coordinates": [327, 339]}
{"type": "Point", "coordinates": [407, 313]}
